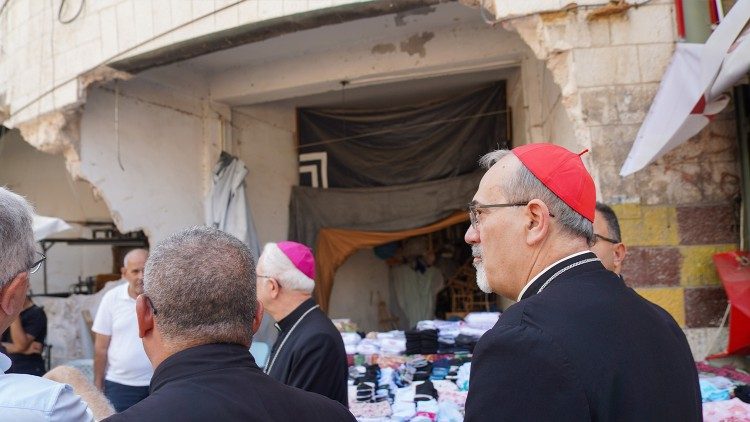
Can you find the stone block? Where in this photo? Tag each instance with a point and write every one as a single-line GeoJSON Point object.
{"type": "Point", "coordinates": [662, 183]}
{"type": "Point", "coordinates": [269, 9]}
{"type": "Point", "coordinates": [605, 66]}
{"type": "Point", "coordinates": [248, 11]}
{"type": "Point", "coordinates": [126, 34]}
{"type": "Point", "coordinates": [143, 12]}
{"type": "Point", "coordinates": [697, 265]}
{"type": "Point", "coordinates": [634, 101]}
{"type": "Point", "coordinates": [611, 144]}
{"type": "Point", "coordinates": [715, 143]}
{"type": "Point", "coordinates": [182, 11]}
{"type": "Point", "coordinates": [672, 299]}
{"type": "Point", "coordinates": [709, 224]}
{"type": "Point", "coordinates": [599, 106]}
{"type": "Point", "coordinates": [655, 226]}
{"type": "Point", "coordinates": [652, 267]}
{"type": "Point", "coordinates": [292, 7]}
{"type": "Point", "coordinates": [644, 25]}
{"type": "Point", "coordinates": [162, 17]}
{"type": "Point", "coordinates": [653, 60]}
{"type": "Point", "coordinates": [704, 306]}
{"type": "Point", "coordinates": [227, 18]}
{"type": "Point", "coordinates": [108, 24]}
{"type": "Point", "coordinates": [720, 181]}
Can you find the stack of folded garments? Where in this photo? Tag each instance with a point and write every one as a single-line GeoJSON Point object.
{"type": "Point", "coordinates": [368, 347]}
{"type": "Point", "coordinates": [392, 343]}
{"type": "Point", "coordinates": [429, 341]}
{"type": "Point", "coordinates": [482, 321]}
{"type": "Point", "coordinates": [465, 343]}
{"type": "Point", "coordinates": [350, 342]}
{"type": "Point", "coordinates": [425, 391]}
{"type": "Point", "coordinates": [368, 385]}
{"type": "Point", "coordinates": [413, 342]}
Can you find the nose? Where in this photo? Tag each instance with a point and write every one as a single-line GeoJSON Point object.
{"type": "Point", "coordinates": [472, 235]}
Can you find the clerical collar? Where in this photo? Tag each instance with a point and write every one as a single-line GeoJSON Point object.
{"type": "Point", "coordinates": [548, 272]}
{"type": "Point", "coordinates": [288, 321]}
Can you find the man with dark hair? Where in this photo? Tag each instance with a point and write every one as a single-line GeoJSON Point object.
{"type": "Point", "coordinates": [196, 316]}
{"type": "Point", "coordinates": [579, 345]}
{"type": "Point", "coordinates": [26, 397]}
{"type": "Point", "coordinates": [608, 245]}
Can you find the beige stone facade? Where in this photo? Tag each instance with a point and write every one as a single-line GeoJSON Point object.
{"type": "Point", "coordinates": [130, 96]}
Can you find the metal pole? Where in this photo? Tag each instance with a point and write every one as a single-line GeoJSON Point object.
{"type": "Point", "coordinates": [742, 116]}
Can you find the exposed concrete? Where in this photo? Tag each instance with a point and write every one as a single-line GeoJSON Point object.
{"type": "Point", "coordinates": [259, 31]}
{"type": "Point", "coordinates": [383, 48]}
{"type": "Point", "coordinates": [415, 44]}
{"type": "Point", "coordinates": [57, 133]}
{"type": "Point", "coordinates": [400, 18]}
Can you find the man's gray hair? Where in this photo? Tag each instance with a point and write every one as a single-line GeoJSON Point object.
{"type": "Point", "coordinates": [201, 282]}
{"type": "Point", "coordinates": [17, 245]}
{"type": "Point", "coordinates": [276, 264]}
{"type": "Point", "coordinates": [524, 186]}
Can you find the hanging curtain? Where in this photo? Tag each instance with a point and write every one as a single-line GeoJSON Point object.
{"type": "Point", "coordinates": [334, 246]}
{"type": "Point", "coordinates": [353, 148]}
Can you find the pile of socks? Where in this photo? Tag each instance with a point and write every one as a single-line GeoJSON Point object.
{"type": "Point", "coordinates": [465, 343]}
{"type": "Point", "coordinates": [424, 342]}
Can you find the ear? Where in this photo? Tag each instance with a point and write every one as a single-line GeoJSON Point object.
{"type": "Point", "coordinates": [619, 251]}
{"type": "Point", "coordinates": [273, 287]}
{"type": "Point", "coordinates": [258, 317]}
{"type": "Point", "coordinates": [537, 222]}
{"type": "Point", "coordinates": [14, 294]}
{"type": "Point", "coordinates": [145, 316]}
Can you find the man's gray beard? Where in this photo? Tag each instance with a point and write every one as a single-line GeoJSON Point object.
{"type": "Point", "coordinates": [482, 282]}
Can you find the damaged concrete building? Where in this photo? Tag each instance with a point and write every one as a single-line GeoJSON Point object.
{"type": "Point", "coordinates": [118, 111]}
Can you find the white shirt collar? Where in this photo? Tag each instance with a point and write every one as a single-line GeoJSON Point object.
{"type": "Point", "coordinates": [526, 287]}
{"type": "Point", "coordinates": [4, 363]}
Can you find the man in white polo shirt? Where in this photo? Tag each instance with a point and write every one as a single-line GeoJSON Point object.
{"type": "Point", "coordinates": [118, 350]}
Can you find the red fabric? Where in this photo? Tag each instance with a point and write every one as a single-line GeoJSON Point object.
{"type": "Point", "coordinates": [734, 272]}
{"type": "Point", "coordinates": [563, 173]}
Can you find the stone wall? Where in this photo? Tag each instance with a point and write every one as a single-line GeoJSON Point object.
{"type": "Point", "coordinates": [678, 211]}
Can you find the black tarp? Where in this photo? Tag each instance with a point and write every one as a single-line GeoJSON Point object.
{"type": "Point", "coordinates": [403, 144]}
{"type": "Point", "coordinates": [390, 208]}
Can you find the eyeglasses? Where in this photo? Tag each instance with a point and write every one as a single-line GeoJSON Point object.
{"type": "Point", "coordinates": [151, 304]}
{"type": "Point", "coordinates": [37, 264]}
{"type": "Point", "coordinates": [606, 239]}
{"type": "Point", "coordinates": [474, 206]}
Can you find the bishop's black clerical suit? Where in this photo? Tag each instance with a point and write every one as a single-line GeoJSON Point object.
{"type": "Point", "coordinates": [309, 353]}
{"type": "Point", "coordinates": [585, 348]}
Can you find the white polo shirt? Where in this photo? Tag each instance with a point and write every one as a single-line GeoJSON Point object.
{"type": "Point", "coordinates": [127, 362]}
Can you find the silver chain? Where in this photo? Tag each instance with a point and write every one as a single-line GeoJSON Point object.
{"type": "Point", "coordinates": [573, 265]}
{"type": "Point", "coordinates": [267, 370]}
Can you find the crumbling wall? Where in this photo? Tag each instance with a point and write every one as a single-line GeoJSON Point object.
{"type": "Point", "coordinates": [608, 62]}
{"type": "Point", "coordinates": [148, 149]}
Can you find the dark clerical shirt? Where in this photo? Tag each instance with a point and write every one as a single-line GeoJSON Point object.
{"type": "Point", "coordinates": [220, 382]}
{"type": "Point", "coordinates": [582, 346]}
{"type": "Point", "coordinates": [309, 353]}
